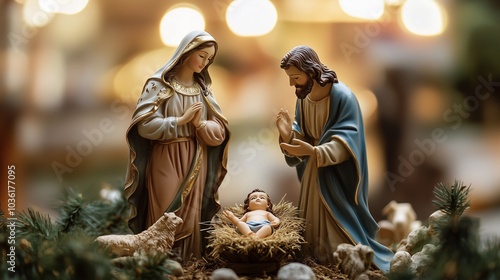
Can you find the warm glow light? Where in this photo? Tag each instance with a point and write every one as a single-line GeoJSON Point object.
{"type": "Point", "coordinates": [33, 15]}
{"type": "Point", "coordinates": [129, 78]}
{"type": "Point", "coordinates": [178, 22]}
{"type": "Point", "coordinates": [17, 65]}
{"type": "Point", "coordinates": [423, 17]}
{"type": "Point", "coordinates": [251, 17]}
{"type": "Point", "coordinates": [70, 32]}
{"type": "Point", "coordinates": [50, 81]}
{"type": "Point", "coordinates": [394, 2]}
{"type": "Point", "coordinates": [368, 103]}
{"type": "Point", "coordinates": [68, 7]}
{"type": "Point", "coordinates": [366, 9]}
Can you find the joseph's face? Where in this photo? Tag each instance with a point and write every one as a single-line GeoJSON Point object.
{"type": "Point", "coordinates": [300, 80]}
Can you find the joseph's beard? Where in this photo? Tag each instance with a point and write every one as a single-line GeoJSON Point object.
{"type": "Point", "coordinates": [302, 91]}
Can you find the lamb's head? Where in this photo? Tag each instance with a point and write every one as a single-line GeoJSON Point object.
{"type": "Point", "coordinates": [342, 252]}
{"type": "Point", "coordinates": [353, 260]}
{"type": "Point", "coordinates": [365, 254]}
{"type": "Point", "coordinates": [172, 219]}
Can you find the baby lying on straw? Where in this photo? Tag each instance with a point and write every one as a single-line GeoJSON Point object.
{"type": "Point", "coordinates": [258, 220]}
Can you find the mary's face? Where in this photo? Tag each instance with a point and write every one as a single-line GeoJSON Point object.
{"type": "Point", "coordinates": [200, 58]}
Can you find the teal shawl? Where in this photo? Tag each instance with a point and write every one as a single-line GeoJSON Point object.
{"type": "Point", "coordinates": [344, 187]}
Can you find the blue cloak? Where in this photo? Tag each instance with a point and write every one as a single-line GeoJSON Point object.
{"type": "Point", "coordinates": [344, 187]}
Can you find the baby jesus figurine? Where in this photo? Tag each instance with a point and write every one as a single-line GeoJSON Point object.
{"type": "Point", "coordinates": [258, 220]}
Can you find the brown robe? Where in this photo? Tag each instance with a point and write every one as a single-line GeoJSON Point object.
{"type": "Point", "coordinates": [171, 158]}
{"type": "Point", "coordinates": [322, 233]}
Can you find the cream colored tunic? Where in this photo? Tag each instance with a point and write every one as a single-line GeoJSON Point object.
{"type": "Point", "coordinates": [170, 161]}
{"type": "Point", "coordinates": [322, 233]}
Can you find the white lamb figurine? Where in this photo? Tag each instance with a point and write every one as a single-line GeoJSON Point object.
{"type": "Point", "coordinates": [157, 238]}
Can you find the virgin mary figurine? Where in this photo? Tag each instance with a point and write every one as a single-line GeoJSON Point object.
{"type": "Point", "coordinates": [178, 140]}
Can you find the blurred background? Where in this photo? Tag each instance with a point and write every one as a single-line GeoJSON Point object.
{"type": "Point", "coordinates": [426, 74]}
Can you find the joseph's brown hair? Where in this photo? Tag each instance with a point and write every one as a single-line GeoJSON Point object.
{"type": "Point", "coordinates": [307, 60]}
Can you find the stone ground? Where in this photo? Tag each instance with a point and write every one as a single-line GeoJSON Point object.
{"type": "Point", "coordinates": [202, 269]}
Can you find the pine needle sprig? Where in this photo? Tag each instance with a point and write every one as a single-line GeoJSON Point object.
{"type": "Point", "coordinates": [453, 200]}
{"type": "Point", "coordinates": [79, 214]}
{"type": "Point", "coordinates": [70, 208]}
{"type": "Point", "coordinates": [458, 235]}
{"type": "Point", "coordinates": [95, 217]}
{"type": "Point", "coordinates": [32, 222]}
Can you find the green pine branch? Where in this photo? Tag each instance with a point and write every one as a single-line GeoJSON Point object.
{"type": "Point", "coordinates": [32, 222]}
{"type": "Point", "coordinates": [458, 256]}
{"type": "Point", "coordinates": [65, 248]}
{"type": "Point", "coordinates": [453, 200]}
{"type": "Point", "coordinates": [95, 217]}
{"type": "Point", "coordinates": [70, 208]}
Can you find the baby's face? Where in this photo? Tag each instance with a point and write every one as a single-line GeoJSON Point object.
{"type": "Point", "coordinates": [257, 201]}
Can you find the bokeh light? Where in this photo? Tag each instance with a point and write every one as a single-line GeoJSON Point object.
{"type": "Point", "coordinates": [365, 9]}
{"type": "Point", "coordinates": [129, 78]}
{"type": "Point", "coordinates": [178, 21]}
{"type": "Point", "coordinates": [251, 17]}
{"type": "Point", "coordinates": [368, 103]}
{"type": "Point", "coordinates": [393, 2]}
{"type": "Point", "coordinates": [88, 22]}
{"type": "Point", "coordinates": [68, 64]}
{"type": "Point", "coordinates": [33, 15]}
{"type": "Point", "coordinates": [423, 17]}
{"type": "Point", "coordinates": [70, 7]}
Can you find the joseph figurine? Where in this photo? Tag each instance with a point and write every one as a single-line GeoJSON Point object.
{"type": "Point", "coordinates": [326, 144]}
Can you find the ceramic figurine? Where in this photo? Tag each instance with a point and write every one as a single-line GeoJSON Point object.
{"type": "Point", "coordinates": [400, 220]}
{"type": "Point", "coordinates": [355, 261]}
{"type": "Point", "coordinates": [178, 141]}
{"type": "Point", "coordinates": [326, 144]}
{"type": "Point", "coordinates": [258, 220]}
{"type": "Point", "coordinates": [158, 238]}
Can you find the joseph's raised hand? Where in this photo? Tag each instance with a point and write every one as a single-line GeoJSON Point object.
{"type": "Point", "coordinates": [284, 124]}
